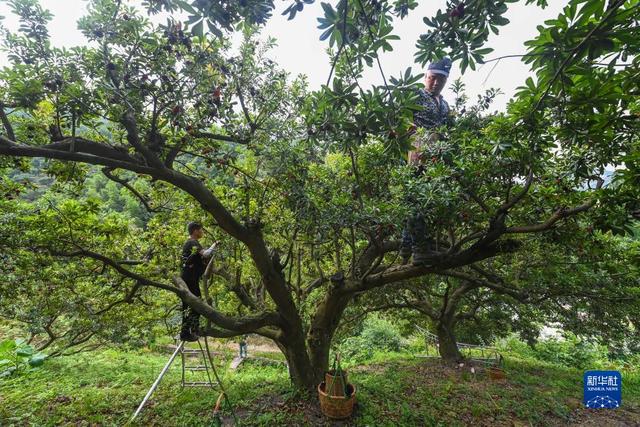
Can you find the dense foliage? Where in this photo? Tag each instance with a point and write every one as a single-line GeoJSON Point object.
{"type": "Point", "coordinates": [307, 190]}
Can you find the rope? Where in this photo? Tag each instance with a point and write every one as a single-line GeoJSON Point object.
{"type": "Point", "coordinates": [215, 373]}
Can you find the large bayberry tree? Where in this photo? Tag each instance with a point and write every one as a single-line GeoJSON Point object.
{"type": "Point", "coordinates": [307, 189]}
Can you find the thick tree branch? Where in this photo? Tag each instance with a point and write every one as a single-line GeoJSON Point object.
{"type": "Point", "coordinates": [83, 145]}
{"type": "Point", "coordinates": [439, 264]}
{"type": "Point", "coordinates": [243, 325]}
{"type": "Point", "coordinates": [133, 137]}
{"type": "Point", "coordinates": [10, 148]}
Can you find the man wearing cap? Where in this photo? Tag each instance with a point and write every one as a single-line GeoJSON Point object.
{"type": "Point", "coordinates": [194, 259]}
{"type": "Point", "coordinates": [434, 114]}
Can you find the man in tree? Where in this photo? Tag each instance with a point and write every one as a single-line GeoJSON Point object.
{"type": "Point", "coordinates": [434, 113]}
{"type": "Point", "coordinates": [193, 266]}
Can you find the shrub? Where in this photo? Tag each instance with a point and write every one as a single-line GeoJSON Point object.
{"type": "Point", "coordinates": [573, 352]}
{"type": "Point", "coordinates": [17, 356]}
{"type": "Point", "coordinates": [377, 335]}
{"type": "Point", "coordinates": [569, 351]}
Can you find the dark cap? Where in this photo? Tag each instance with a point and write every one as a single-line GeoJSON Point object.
{"type": "Point", "coordinates": [441, 67]}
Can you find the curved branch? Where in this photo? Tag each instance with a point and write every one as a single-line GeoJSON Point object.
{"type": "Point", "coordinates": [6, 123]}
{"type": "Point", "coordinates": [243, 325]}
{"type": "Point", "coordinates": [439, 263]}
{"type": "Point", "coordinates": [83, 145]}
{"type": "Point", "coordinates": [129, 122]}
{"type": "Point", "coordinates": [125, 184]}
{"type": "Point", "coordinates": [557, 216]}
{"type": "Point", "coordinates": [53, 151]}
{"type": "Point", "coordinates": [514, 293]}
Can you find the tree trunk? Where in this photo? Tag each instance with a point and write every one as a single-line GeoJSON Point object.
{"type": "Point", "coordinates": [447, 345]}
{"type": "Point", "coordinates": [301, 372]}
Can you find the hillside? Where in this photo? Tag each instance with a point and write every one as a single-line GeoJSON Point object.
{"type": "Point", "coordinates": [394, 389]}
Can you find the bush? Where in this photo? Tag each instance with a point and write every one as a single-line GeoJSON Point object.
{"type": "Point", "coordinates": [17, 356]}
{"type": "Point", "coordinates": [569, 351]}
{"type": "Point", "coordinates": [572, 352]}
{"type": "Point", "coordinates": [377, 335]}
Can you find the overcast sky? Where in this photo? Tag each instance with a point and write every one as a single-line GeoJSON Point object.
{"type": "Point", "coordinates": [300, 51]}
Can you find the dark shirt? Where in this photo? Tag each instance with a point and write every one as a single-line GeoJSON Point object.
{"type": "Point", "coordinates": [434, 113]}
{"type": "Point", "coordinates": [192, 261]}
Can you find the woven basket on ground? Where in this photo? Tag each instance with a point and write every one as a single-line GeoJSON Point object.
{"type": "Point", "coordinates": [337, 407]}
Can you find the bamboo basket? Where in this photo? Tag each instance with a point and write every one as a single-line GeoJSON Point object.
{"type": "Point", "coordinates": [337, 407]}
{"type": "Point", "coordinates": [335, 384]}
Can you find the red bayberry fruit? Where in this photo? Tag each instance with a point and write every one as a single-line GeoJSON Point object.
{"type": "Point", "coordinates": [458, 12]}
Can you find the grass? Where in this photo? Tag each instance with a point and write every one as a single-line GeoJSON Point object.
{"type": "Point", "coordinates": [394, 389]}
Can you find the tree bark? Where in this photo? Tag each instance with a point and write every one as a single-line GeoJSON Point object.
{"type": "Point", "coordinates": [447, 345]}
{"type": "Point", "coordinates": [301, 372]}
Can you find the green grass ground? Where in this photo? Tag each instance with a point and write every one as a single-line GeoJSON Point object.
{"type": "Point", "coordinates": [104, 388]}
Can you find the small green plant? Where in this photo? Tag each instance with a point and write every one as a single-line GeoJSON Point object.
{"type": "Point", "coordinates": [16, 356]}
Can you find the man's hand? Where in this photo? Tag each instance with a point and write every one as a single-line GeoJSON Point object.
{"type": "Point", "coordinates": [207, 253]}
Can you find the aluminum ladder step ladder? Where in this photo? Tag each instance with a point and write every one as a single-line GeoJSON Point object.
{"type": "Point", "coordinates": [184, 356]}
{"type": "Point", "coordinates": [181, 349]}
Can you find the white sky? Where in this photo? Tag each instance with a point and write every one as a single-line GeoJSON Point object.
{"type": "Point", "coordinates": [300, 51]}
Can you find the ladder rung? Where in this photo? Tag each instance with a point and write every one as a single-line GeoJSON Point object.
{"type": "Point", "coordinates": [196, 368]}
{"type": "Point", "coordinates": [191, 352]}
{"type": "Point", "coordinates": [198, 384]}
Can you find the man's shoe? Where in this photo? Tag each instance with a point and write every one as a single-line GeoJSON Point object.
{"type": "Point", "coordinates": [420, 258]}
{"type": "Point", "coordinates": [405, 254]}
{"type": "Point", "coordinates": [191, 337]}
{"type": "Point", "coordinates": [423, 254]}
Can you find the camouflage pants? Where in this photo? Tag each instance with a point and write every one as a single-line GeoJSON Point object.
{"type": "Point", "coordinates": [190, 321]}
{"type": "Point", "coordinates": [190, 317]}
{"type": "Point", "coordinates": [414, 232]}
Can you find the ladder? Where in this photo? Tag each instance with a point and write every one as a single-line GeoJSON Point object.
{"type": "Point", "coordinates": [184, 355]}
{"type": "Point", "coordinates": [184, 352]}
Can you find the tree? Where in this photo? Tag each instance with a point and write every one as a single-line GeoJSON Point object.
{"type": "Point", "coordinates": [580, 283]}
{"type": "Point", "coordinates": [310, 186]}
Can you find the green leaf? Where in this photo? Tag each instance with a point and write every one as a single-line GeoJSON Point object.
{"type": "Point", "coordinates": [24, 351]}
{"type": "Point", "coordinates": [7, 345]}
{"type": "Point", "coordinates": [186, 6]}
{"type": "Point", "coordinates": [37, 359]}
{"type": "Point", "coordinates": [7, 372]}
{"type": "Point", "coordinates": [484, 51]}
{"type": "Point", "coordinates": [198, 29]}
